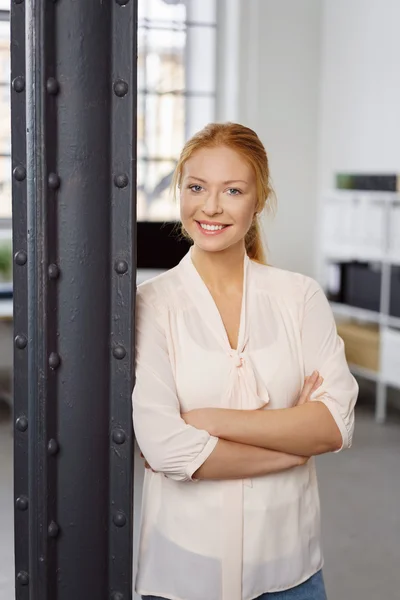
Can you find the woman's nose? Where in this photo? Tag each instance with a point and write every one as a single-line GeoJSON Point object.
{"type": "Point", "coordinates": [212, 205]}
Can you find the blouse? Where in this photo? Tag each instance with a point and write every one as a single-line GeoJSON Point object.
{"type": "Point", "coordinates": [229, 540]}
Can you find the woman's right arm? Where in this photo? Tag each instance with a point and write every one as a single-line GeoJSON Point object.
{"type": "Point", "coordinates": [230, 460]}
{"type": "Point", "coordinates": [170, 446]}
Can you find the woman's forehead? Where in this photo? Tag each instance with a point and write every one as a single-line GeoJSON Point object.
{"type": "Point", "coordinates": [220, 163]}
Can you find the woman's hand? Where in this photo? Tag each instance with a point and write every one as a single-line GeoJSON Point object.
{"type": "Point", "coordinates": [201, 418]}
{"type": "Point", "coordinates": [146, 464]}
{"type": "Point", "coordinates": [311, 384]}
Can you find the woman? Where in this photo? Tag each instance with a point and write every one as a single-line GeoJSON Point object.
{"type": "Point", "coordinates": [229, 402]}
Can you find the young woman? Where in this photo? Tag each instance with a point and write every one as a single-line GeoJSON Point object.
{"type": "Point", "coordinates": [241, 379]}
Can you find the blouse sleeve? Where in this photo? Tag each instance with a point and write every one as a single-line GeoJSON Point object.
{"type": "Point", "coordinates": [323, 351]}
{"type": "Point", "coordinates": [169, 445]}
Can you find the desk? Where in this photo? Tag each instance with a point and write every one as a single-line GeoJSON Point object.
{"type": "Point", "coordinates": [6, 310]}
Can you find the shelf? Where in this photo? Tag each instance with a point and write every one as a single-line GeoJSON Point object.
{"type": "Point", "coordinates": [363, 226]}
{"type": "Point", "coordinates": [366, 373]}
{"type": "Point", "coordinates": [361, 314]}
{"type": "Point", "coordinates": [339, 194]}
{"type": "Point", "coordinates": [390, 321]}
{"type": "Point", "coordinates": [338, 257]}
{"type": "Point", "coordinates": [375, 376]}
{"type": "Point", "coordinates": [353, 312]}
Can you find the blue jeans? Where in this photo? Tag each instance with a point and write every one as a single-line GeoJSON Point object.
{"type": "Point", "coordinates": [312, 589]}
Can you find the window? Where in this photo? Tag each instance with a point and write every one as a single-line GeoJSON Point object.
{"type": "Point", "coordinates": [5, 112]}
{"type": "Point", "coordinates": [176, 93]}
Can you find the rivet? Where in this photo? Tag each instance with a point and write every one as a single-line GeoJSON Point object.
{"type": "Point", "coordinates": [53, 447]}
{"type": "Point", "coordinates": [119, 352]}
{"type": "Point", "coordinates": [18, 84]}
{"type": "Point", "coordinates": [54, 360]}
{"type": "Point", "coordinates": [20, 342]}
{"type": "Point", "coordinates": [54, 271]}
{"type": "Point", "coordinates": [53, 529]}
{"type": "Point", "coordinates": [118, 436]}
{"type": "Point", "coordinates": [52, 86]}
{"type": "Point", "coordinates": [117, 595]}
{"type": "Point", "coordinates": [121, 180]}
{"type": "Point", "coordinates": [121, 267]}
{"type": "Point", "coordinates": [22, 503]}
{"type": "Point", "coordinates": [21, 257]}
{"type": "Point", "coordinates": [121, 88]}
{"type": "Point", "coordinates": [53, 181]}
{"type": "Point", "coordinates": [119, 519]}
{"type": "Point", "coordinates": [23, 578]}
{"type": "Point", "coordinates": [122, 2]}
{"type": "Point", "coordinates": [19, 173]}
{"type": "Point", "coordinates": [21, 423]}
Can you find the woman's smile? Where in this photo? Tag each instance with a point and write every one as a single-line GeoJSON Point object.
{"type": "Point", "coordinates": [210, 229]}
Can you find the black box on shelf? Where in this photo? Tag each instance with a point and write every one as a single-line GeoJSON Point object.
{"type": "Point", "coordinates": [357, 284]}
{"type": "Point", "coordinates": [394, 310]}
{"type": "Point", "coordinates": [362, 285]}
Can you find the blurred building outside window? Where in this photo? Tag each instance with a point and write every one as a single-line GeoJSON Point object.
{"type": "Point", "coordinates": [176, 93]}
{"type": "Point", "coordinates": [5, 115]}
{"type": "Point", "coordinates": [176, 97]}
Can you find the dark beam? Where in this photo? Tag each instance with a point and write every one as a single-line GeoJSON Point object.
{"type": "Point", "coordinates": [74, 161]}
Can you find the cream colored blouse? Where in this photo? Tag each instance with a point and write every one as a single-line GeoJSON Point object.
{"type": "Point", "coordinates": [229, 540]}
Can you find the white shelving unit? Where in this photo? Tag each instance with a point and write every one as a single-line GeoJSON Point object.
{"type": "Point", "coordinates": [365, 226]}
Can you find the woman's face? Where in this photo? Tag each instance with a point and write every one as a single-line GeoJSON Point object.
{"type": "Point", "coordinates": [218, 188]}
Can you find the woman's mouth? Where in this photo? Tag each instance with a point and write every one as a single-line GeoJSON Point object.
{"type": "Point", "coordinates": [211, 229]}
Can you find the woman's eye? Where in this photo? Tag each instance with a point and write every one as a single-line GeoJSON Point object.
{"type": "Point", "coordinates": [234, 192]}
{"type": "Point", "coordinates": [195, 188]}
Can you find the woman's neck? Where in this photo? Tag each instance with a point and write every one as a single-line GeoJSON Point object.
{"type": "Point", "coordinates": [221, 271]}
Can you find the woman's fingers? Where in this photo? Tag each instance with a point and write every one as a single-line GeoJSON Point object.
{"type": "Point", "coordinates": [318, 383]}
{"type": "Point", "coordinates": [311, 383]}
{"type": "Point", "coordinates": [146, 464]}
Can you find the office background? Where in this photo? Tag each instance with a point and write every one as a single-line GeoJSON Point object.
{"type": "Point", "coordinates": [318, 80]}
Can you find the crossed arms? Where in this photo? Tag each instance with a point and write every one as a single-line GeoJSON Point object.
{"type": "Point", "coordinates": [235, 444]}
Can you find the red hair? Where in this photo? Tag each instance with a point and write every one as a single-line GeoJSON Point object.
{"type": "Point", "coordinates": [245, 142]}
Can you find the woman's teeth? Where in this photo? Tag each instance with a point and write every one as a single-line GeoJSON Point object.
{"type": "Point", "coordinates": [212, 227]}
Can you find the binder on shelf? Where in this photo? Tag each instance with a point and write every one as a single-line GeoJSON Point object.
{"type": "Point", "coordinates": [381, 182]}
{"type": "Point", "coordinates": [361, 344]}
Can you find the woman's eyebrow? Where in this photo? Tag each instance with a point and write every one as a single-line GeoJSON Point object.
{"type": "Point", "coordinates": [196, 178]}
{"type": "Point", "coordinates": [235, 181]}
{"type": "Point", "coordinates": [224, 182]}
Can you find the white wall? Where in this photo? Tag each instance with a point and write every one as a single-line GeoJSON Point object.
{"type": "Point", "coordinates": [277, 95]}
{"type": "Point", "coordinates": [360, 88]}
{"type": "Point", "coordinates": [319, 80]}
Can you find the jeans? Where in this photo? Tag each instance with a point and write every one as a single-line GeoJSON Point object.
{"type": "Point", "coordinates": [312, 589]}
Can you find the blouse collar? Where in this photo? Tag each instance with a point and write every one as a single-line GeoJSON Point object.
{"type": "Point", "coordinates": [202, 298]}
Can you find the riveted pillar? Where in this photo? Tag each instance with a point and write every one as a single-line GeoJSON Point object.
{"type": "Point", "coordinates": [74, 209]}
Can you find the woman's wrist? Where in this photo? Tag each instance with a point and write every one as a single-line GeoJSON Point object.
{"type": "Point", "coordinates": [207, 419]}
{"type": "Point", "coordinates": [281, 461]}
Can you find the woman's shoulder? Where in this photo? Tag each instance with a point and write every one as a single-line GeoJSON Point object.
{"type": "Point", "coordinates": [276, 281]}
{"type": "Point", "coordinates": [160, 291]}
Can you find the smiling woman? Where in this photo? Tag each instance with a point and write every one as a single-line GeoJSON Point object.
{"type": "Point", "coordinates": [215, 196]}
{"type": "Point", "coordinates": [241, 379]}
{"type": "Point", "coordinates": [216, 174]}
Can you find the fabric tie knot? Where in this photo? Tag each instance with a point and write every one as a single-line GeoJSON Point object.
{"type": "Point", "coordinates": [238, 358]}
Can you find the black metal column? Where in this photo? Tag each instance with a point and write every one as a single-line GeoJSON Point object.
{"type": "Point", "coordinates": [74, 227]}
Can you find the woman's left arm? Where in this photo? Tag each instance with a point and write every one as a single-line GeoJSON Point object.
{"type": "Point", "coordinates": [326, 423]}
